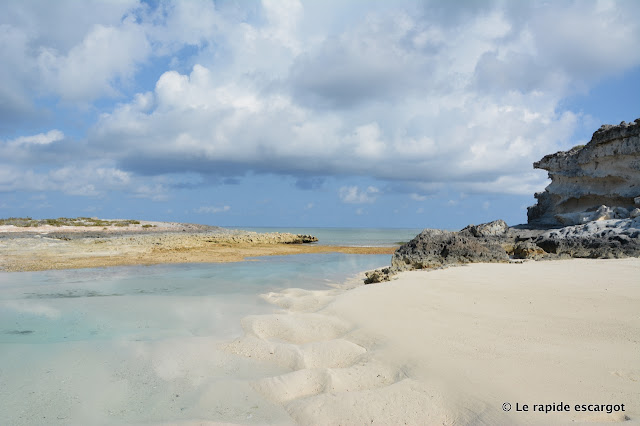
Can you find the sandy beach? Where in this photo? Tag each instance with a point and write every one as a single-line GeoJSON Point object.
{"type": "Point", "coordinates": [477, 344]}
{"type": "Point", "coordinates": [533, 342]}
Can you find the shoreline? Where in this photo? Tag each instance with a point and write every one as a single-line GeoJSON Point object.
{"type": "Point", "coordinates": [444, 346]}
{"type": "Point", "coordinates": [73, 247]}
{"type": "Point", "coordinates": [453, 345]}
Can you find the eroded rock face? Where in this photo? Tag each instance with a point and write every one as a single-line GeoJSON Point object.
{"type": "Point", "coordinates": [605, 239]}
{"type": "Point", "coordinates": [497, 228]}
{"type": "Point", "coordinates": [434, 248]}
{"type": "Point", "coordinates": [605, 172]}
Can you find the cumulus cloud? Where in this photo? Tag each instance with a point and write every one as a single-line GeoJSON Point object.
{"type": "Point", "coordinates": [89, 69]}
{"type": "Point", "coordinates": [82, 51]}
{"type": "Point", "coordinates": [396, 96]}
{"type": "Point", "coordinates": [93, 178]}
{"type": "Point", "coordinates": [70, 49]}
{"type": "Point", "coordinates": [420, 96]}
{"type": "Point", "coordinates": [355, 195]}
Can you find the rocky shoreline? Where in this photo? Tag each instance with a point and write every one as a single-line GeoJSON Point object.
{"type": "Point", "coordinates": [591, 209]}
{"type": "Point", "coordinates": [50, 247]}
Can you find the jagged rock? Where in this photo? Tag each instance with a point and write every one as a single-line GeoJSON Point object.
{"type": "Point", "coordinates": [378, 276]}
{"type": "Point", "coordinates": [434, 248]}
{"type": "Point", "coordinates": [598, 239]}
{"type": "Point", "coordinates": [606, 171]}
{"type": "Point", "coordinates": [527, 250]}
{"type": "Point", "coordinates": [621, 213]}
{"type": "Point", "coordinates": [497, 228]}
{"type": "Point", "coordinates": [634, 213]}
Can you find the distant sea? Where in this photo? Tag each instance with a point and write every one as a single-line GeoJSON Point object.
{"type": "Point", "coordinates": [139, 344]}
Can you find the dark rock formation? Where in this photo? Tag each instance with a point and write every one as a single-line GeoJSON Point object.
{"type": "Point", "coordinates": [496, 242]}
{"type": "Point", "coordinates": [527, 250]}
{"type": "Point", "coordinates": [497, 228]}
{"type": "Point", "coordinates": [434, 248]}
{"type": "Point", "coordinates": [303, 239]}
{"type": "Point", "coordinates": [378, 276]}
{"type": "Point", "coordinates": [606, 172]}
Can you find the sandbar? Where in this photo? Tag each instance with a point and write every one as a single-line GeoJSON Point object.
{"type": "Point", "coordinates": [146, 243]}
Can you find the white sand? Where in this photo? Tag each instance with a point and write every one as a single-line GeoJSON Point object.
{"type": "Point", "coordinates": [451, 346]}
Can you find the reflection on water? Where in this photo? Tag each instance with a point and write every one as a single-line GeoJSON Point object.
{"type": "Point", "coordinates": [114, 345]}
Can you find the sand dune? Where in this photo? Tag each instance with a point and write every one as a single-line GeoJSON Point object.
{"type": "Point", "coordinates": [452, 346]}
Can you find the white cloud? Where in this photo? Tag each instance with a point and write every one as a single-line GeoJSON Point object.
{"type": "Point", "coordinates": [75, 50]}
{"type": "Point", "coordinates": [90, 68]}
{"type": "Point", "coordinates": [465, 132]}
{"type": "Point", "coordinates": [354, 195]}
{"type": "Point", "coordinates": [526, 183]}
{"type": "Point", "coordinates": [212, 209]}
{"type": "Point", "coordinates": [423, 96]}
{"type": "Point", "coordinates": [39, 139]}
{"type": "Point", "coordinates": [91, 179]}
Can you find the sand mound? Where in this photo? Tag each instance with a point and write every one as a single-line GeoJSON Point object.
{"type": "Point", "coordinates": [297, 299]}
{"type": "Point", "coordinates": [295, 327]}
{"type": "Point", "coordinates": [309, 382]}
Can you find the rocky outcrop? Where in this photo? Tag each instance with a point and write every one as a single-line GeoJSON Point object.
{"type": "Point", "coordinates": [496, 242]}
{"type": "Point", "coordinates": [605, 172]}
{"type": "Point", "coordinates": [435, 248]}
{"type": "Point", "coordinates": [605, 239]}
{"type": "Point", "coordinates": [591, 209]}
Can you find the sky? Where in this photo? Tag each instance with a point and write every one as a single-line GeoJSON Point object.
{"type": "Point", "coordinates": [359, 113]}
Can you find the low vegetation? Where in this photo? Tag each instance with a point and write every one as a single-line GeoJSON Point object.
{"type": "Point", "coordinates": [27, 222]}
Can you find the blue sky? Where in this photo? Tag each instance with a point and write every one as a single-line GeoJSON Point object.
{"type": "Point", "coordinates": [303, 113]}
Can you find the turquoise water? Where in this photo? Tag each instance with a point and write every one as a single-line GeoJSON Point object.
{"type": "Point", "coordinates": [142, 344]}
{"type": "Point", "coordinates": [104, 303]}
{"type": "Point", "coordinates": [350, 236]}
{"type": "Point", "coordinates": [132, 345]}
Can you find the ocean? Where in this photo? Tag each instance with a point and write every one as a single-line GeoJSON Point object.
{"type": "Point", "coordinates": [140, 344]}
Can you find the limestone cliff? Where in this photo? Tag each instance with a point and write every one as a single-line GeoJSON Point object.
{"type": "Point", "coordinates": [605, 172]}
